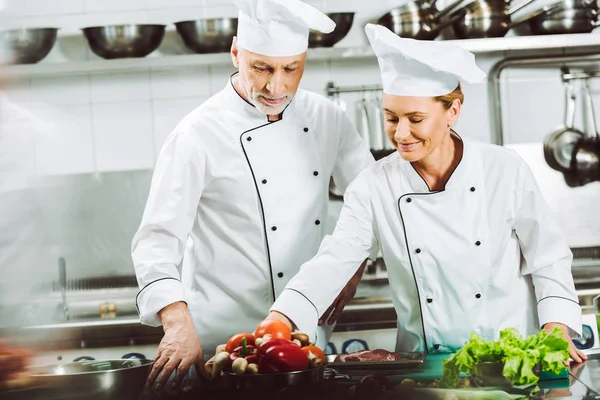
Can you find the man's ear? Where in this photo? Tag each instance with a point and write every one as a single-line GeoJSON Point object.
{"type": "Point", "coordinates": [235, 53]}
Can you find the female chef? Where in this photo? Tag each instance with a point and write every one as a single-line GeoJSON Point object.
{"type": "Point", "coordinates": [469, 243]}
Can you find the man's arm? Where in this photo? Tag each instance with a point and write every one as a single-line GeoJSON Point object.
{"type": "Point", "coordinates": [158, 246]}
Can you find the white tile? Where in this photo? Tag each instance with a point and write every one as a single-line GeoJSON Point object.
{"type": "Point", "coordinates": [167, 114]}
{"type": "Point", "coordinates": [171, 15]}
{"type": "Point", "coordinates": [316, 75]}
{"type": "Point", "coordinates": [355, 72]}
{"type": "Point", "coordinates": [96, 6]}
{"type": "Point", "coordinates": [535, 108]}
{"type": "Point", "coordinates": [18, 90]}
{"type": "Point", "coordinates": [61, 90]}
{"type": "Point", "coordinates": [219, 76]}
{"type": "Point", "coordinates": [106, 88]}
{"type": "Point", "coordinates": [66, 148]}
{"type": "Point", "coordinates": [113, 18]}
{"type": "Point", "coordinates": [123, 136]}
{"type": "Point", "coordinates": [474, 121]}
{"type": "Point", "coordinates": [60, 7]}
{"type": "Point", "coordinates": [223, 10]}
{"type": "Point", "coordinates": [180, 82]}
{"type": "Point", "coordinates": [166, 4]}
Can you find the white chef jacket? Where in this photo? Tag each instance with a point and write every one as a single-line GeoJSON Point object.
{"type": "Point", "coordinates": [481, 255]}
{"type": "Point", "coordinates": [241, 199]}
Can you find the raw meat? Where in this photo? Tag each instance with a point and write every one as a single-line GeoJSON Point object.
{"type": "Point", "coordinates": [368, 356]}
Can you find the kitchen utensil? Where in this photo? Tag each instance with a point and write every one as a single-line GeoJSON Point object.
{"type": "Point", "coordinates": [62, 280]}
{"type": "Point", "coordinates": [106, 379]}
{"type": "Point", "coordinates": [343, 23]}
{"type": "Point", "coordinates": [124, 41]}
{"type": "Point", "coordinates": [213, 35]}
{"type": "Point", "coordinates": [30, 45]}
{"type": "Point", "coordinates": [362, 120]}
{"type": "Point", "coordinates": [567, 16]}
{"type": "Point", "coordinates": [483, 19]}
{"type": "Point", "coordinates": [558, 154]}
{"type": "Point", "coordinates": [418, 20]}
{"type": "Point", "coordinates": [585, 153]}
{"type": "Point", "coordinates": [376, 124]}
{"type": "Point", "coordinates": [490, 374]}
{"type": "Point", "coordinates": [308, 377]}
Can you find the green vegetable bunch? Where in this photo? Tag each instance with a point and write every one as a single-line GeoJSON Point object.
{"type": "Point", "coordinates": [519, 356]}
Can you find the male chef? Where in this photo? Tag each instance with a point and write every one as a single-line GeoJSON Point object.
{"type": "Point", "coordinates": [239, 195]}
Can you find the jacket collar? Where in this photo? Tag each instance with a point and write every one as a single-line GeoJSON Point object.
{"type": "Point", "coordinates": [458, 177]}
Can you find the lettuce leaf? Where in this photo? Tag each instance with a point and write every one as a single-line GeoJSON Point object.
{"type": "Point", "coordinates": [519, 355]}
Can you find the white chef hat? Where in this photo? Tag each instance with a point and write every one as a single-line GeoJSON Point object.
{"type": "Point", "coordinates": [421, 68]}
{"type": "Point", "coordinates": [278, 28]}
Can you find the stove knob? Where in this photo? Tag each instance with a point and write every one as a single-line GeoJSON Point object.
{"type": "Point", "coordinates": [84, 358]}
{"type": "Point", "coordinates": [137, 356]}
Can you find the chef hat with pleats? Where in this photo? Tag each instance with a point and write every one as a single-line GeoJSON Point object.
{"type": "Point", "coordinates": [421, 68]}
{"type": "Point", "coordinates": [278, 28]}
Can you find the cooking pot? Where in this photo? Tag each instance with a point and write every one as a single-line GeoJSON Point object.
{"type": "Point", "coordinates": [571, 16]}
{"type": "Point", "coordinates": [418, 20]}
{"type": "Point", "coordinates": [98, 380]}
{"type": "Point", "coordinates": [558, 144]}
{"type": "Point", "coordinates": [484, 19]}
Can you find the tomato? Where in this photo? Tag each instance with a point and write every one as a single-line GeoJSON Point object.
{"type": "Point", "coordinates": [277, 329]}
{"type": "Point", "coordinates": [236, 341]}
{"type": "Point", "coordinates": [317, 352]}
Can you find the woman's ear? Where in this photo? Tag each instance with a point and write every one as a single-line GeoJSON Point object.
{"type": "Point", "coordinates": [454, 112]}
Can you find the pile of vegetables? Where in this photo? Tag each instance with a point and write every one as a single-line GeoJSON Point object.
{"type": "Point", "coordinates": [273, 348]}
{"type": "Point", "coordinates": [519, 356]}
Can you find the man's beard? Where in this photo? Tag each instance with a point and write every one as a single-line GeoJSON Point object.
{"type": "Point", "coordinates": [254, 99]}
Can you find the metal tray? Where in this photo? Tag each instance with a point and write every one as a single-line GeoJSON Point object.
{"type": "Point", "coordinates": [407, 361]}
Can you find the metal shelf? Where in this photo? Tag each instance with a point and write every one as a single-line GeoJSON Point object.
{"type": "Point", "coordinates": [478, 46]}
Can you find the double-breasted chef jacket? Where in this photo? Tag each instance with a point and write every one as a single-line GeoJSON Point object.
{"type": "Point", "coordinates": [236, 205]}
{"type": "Point", "coordinates": [481, 255]}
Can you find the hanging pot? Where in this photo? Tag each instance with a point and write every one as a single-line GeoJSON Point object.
{"type": "Point", "coordinates": [485, 19]}
{"type": "Point", "coordinates": [418, 20]}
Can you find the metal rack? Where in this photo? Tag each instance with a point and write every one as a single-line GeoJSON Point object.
{"type": "Point", "coordinates": [559, 61]}
{"type": "Point", "coordinates": [331, 90]}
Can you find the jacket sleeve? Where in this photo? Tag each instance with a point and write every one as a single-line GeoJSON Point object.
{"type": "Point", "coordinates": [353, 154]}
{"type": "Point", "coordinates": [547, 255]}
{"type": "Point", "coordinates": [352, 158]}
{"type": "Point", "coordinates": [319, 281]}
{"type": "Point", "coordinates": [158, 246]}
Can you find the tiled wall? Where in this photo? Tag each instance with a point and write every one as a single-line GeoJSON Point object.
{"type": "Point", "coordinates": [118, 121]}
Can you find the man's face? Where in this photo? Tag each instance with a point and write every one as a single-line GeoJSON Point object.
{"type": "Point", "coordinates": [269, 83]}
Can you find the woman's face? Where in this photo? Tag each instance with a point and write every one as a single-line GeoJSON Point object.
{"type": "Point", "coordinates": [417, 125]}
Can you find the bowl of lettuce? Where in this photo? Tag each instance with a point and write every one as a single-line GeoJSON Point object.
{"type": "Point", "coordinates": [519, 360]}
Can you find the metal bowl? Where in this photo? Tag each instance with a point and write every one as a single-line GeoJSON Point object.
{"type": "Point", "coordinates": [309, 377]}
{"type": "Point", "coordinates": [124, 41]}
{"type": "Point", "coordinates": [208, 35]}
{"type": "Point", "coordinates": [481, 27]}
{"type": "Point", "coordinates": [30, 45]}
{"type": "Point", "coordinates": [490, 374]}
{"type": "Point", "coordinates": [106, 379]}
{"type": "Point", "coordinates": [343, 23]}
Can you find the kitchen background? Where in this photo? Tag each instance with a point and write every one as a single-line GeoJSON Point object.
{"type": "Point", "coordinates": [93, 136]}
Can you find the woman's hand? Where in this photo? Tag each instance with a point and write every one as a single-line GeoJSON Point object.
{"type": "Point", "coordinates": [574, 352]}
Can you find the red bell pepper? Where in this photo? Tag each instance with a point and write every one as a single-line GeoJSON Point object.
{"type": "Point", "coordinates": [267, 344]}
{"type": "Point", "coordinates": [244, 351]}
{"type": "Point", "coordinates": [283, 358]}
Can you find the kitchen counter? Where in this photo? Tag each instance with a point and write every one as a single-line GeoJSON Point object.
{"type": "Point", "coordinates": [583, 384]}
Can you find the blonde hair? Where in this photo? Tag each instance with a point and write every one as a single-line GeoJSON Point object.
{"type": "Point", "coordinates": [448, 99]}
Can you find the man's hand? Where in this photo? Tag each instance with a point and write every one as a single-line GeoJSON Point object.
{"type": "Point", "coordinates": [278, 316]}
{"type": "Point", "coordinates": [574, 352]}
{"type": "Point", "coordinates": [178, 350]}
{"type": "Point", "coordinates": [346, 295]}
